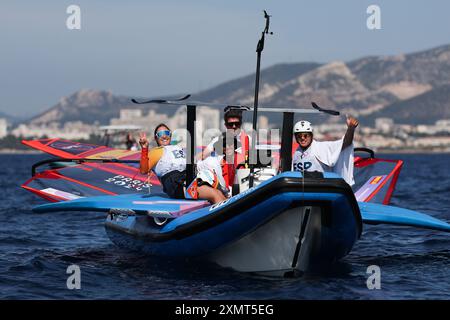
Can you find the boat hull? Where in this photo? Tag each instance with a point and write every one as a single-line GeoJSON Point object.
{"type": "Point", "coordinates": [303, 224]}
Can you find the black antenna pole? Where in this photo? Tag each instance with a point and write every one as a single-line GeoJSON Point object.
{"type": "Point", "coordinates": [259, 49]}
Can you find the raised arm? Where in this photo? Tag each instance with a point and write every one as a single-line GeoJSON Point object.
{"type": "Point", "coordinates": [143, 164]}
{"type": "Point", "coordinates": [149, 158]}
{"type": "Point", "coordinates": [352, 123]}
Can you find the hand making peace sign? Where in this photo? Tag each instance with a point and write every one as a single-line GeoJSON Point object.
{"type": "Point", "coordinates": [143, 141]}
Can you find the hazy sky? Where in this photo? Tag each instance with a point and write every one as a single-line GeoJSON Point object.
{"type": "Point", "coordinates": [151, 48]}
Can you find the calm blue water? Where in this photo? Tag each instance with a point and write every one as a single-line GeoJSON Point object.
{"type": "Point", "coordinates": [36, 249]}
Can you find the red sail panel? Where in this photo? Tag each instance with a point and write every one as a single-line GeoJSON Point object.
{"type": "Point", "coordinates": [90, 179]}
{"type": "Point", "coordinates": [375, 179]}
{"type": "Point", "coordinates": [77, 150]}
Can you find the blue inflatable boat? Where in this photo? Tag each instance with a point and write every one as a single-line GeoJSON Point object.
{"type": "Point", "coordinates": [283, 225]}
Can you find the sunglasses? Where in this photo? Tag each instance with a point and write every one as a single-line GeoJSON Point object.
{"type": "Point", "coordinates": [162, 133]}
{"type": "Point", "coordinates": [303, 135]}
{"type": "Point", "coordinates": [233, 124]}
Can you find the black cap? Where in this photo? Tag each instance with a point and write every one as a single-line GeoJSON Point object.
{"type": "Point", "coordinates": [230, 112]}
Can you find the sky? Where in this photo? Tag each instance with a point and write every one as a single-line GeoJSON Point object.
{"type": "Point", "coordinates": [148, 48]}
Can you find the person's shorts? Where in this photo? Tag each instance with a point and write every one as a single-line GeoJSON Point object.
{"type": "Point", "coordinates": [204, 178]}
{"type": "Point", "coordinates": [173, 184]}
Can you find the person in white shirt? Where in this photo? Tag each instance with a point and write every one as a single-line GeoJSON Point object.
{"type": "Point", "coordinates": [335, 156]}
{"type": "Point", "coordinates": [168, 162]}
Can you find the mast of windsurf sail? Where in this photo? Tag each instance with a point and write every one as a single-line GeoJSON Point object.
{"type": "Point", "coordinates": [259, 49]}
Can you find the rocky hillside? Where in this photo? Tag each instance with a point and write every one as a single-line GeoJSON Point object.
{"type": "Point", "coordinates": [411, 88]}
{"type": "Point", "coordinates": [423, 109]}
{"type": "Point", "coordinates": [89, 106]}
{"type": "Point", "coordinates": [361, 87]}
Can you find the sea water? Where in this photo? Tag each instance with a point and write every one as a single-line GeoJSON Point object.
{"type": "Point", "coordinates": [36, 251]}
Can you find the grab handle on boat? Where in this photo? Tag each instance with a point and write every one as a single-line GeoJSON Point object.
{"type": "Point", "coordinates": [369, 151]}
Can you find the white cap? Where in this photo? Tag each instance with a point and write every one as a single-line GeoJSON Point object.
{"type": "Point", "coordinates": [303, 126]}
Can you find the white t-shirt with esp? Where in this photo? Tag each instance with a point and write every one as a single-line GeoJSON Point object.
{"type": "Point", "coordinates": [326, 156]}
{"type": "Point", "coordinates": [173, 158]}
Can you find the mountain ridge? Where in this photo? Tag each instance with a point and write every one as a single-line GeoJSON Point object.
{"type": "Point", "coordinates": [363, 87]}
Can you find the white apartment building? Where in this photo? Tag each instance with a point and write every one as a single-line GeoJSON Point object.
{"type": "Point", "coordinates": [70, 131]}
{"type": "Point", "coordinates": [3, 128]}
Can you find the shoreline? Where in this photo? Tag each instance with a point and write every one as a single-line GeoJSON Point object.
{"type": "Point", "coordinates": [380, 151]}
{"type": "Point", "coordinates": [19, 151]}
{"type": "Point", "coordinates": [413, 151]}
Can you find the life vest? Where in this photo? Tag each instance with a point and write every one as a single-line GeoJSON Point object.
{"type": "Point", "coordinates": [240, 159]}
{"type": "Point", "coordinates": [228, 172]}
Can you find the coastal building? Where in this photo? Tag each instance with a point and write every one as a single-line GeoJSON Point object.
{"type": "Point", "coordinates": [207, 125]}
{"type": "Point", "coordinates": [75, 130]}
{"type": "Point", "coordinates": [331, 127]}
{"type": "Point", "coordinates": [384, 125]}
{"type": "Point", "coordinates": [130, 114]}
{"type": "Point", "coordinates": [376, 141]}
{"type": "Point", "coordinates": [128, 117]}
{"type": "Point", "coordinates": [429, 142]}
{"type": "Point", "coordinates": [3, 128]}
{"type": "Point", "coordinates": [443, 125]}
